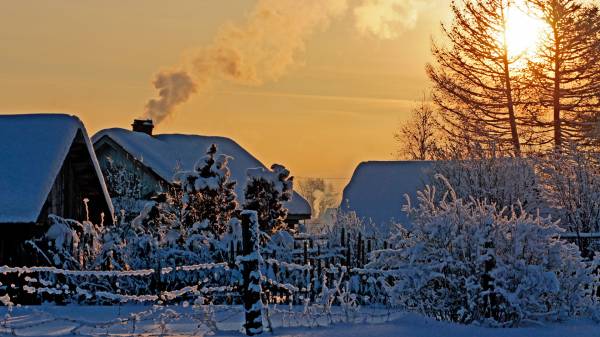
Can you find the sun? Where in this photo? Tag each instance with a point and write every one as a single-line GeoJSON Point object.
{"type": "Point", "coordinates": [524, 33]}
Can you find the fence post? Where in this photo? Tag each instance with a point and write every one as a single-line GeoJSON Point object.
{"type": "Point", "coordinates": [359, 250]}
{"type": "Point", "coordinates": [319, 267]}
{"type": "Point", "coordinates": [305, 255]}
{"type": "Point", "coordinates": [251, 291]}
{"type": "Point", "coordinates": [348, 253]}
{"type": "Point", "coordinates": [157, 281]}
{"type": "Point", "coordinates": [362, 253]}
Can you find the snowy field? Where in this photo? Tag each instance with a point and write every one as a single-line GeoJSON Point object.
{"type": "Point", "coordinates": [139, 320]}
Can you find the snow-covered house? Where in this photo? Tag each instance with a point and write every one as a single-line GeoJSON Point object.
{"type": "Point", "coordinates": [377, 189]}
{"type": "Point", "coordinates": [154, 159]}
{"type": "Point", "coordinates": [47, 166]}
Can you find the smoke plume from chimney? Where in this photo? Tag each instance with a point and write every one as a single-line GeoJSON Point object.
{"type": "Point", "coordinates": [387, 19]}
{"type": "Point", "coordinates": [174, 87]}
{"type": "Point", "coordinates": [265, 46]}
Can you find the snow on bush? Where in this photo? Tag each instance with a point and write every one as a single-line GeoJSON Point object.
{"type": "Point", "coordinates": [190, 224]}
{"type": "Point", "coordinates": [125, 188]}
{"type": "Point", "coordinates": [570, 183]}
{"type": "Point", "coordinates": [352, 225]}
{"type": "Point", "coordinates": [68, 243]}
{"type": "Point", "coordinates": [504, 181]}
{"type": "Point", "coordinates": [467, 260]}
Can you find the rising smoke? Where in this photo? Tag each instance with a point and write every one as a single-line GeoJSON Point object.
{"type": "Point", "coordinates": [387, 19]}
{"type": "Point", "coordinates": [174, 87]}
{"type": "Point", "coordinates": [266, 45]}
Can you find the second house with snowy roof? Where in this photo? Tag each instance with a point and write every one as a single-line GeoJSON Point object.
{"type": "Point", "coordinates": [149, 162]}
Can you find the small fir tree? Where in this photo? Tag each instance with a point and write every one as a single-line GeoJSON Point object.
{"type": "Point", "coordinates": [266, 191]}
{"type": "Point", "coordinates": [207, 194]}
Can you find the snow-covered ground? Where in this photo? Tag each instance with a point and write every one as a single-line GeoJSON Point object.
{"type": "Point", "coordinates": [139, 320]}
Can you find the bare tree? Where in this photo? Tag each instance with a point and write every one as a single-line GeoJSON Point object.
{"type": "Point", "coordinates": [564, 77]}
{"type": "Point", "coordinates": [417, 137]}
{"type": "Point", "coordinates": [473, 81]}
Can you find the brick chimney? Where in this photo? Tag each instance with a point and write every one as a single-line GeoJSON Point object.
{"type": "Point", "coordinates": [143, 125]}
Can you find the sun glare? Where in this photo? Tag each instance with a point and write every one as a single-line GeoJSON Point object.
{"type": "Point", "coordinates": [523, 33]}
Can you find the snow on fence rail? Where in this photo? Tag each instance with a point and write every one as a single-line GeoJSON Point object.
{"type": "Point", "coordinates": [573, 235]}
{"type": "Point", "coordinates": [54, 288]}
{"type": "Point", "coordinates": [112, 273]}
{"type": "Point", "coordinates": [312, 268]}
{"type": "Point", "coordinates": [124, 298]}
{"type": "Point", "coordinates": [312, 272]}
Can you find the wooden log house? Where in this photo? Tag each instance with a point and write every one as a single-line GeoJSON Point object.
{"type": "Point", "coordinates": [47, 166]}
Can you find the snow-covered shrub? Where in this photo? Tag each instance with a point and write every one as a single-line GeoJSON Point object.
{"type": "Point", "coordinates": [125, 188]}
{"type": "Point", "coordinates": [184, 226]}
{"type": "Point", "coordinates": [157, 237]}
{"type": "Point", "coordinates": [570, 182]}
{"type": "Point", "coordinates": [68, 243]}
{"type": "Point", "coordinates": [266, 191]}
{"type": "Point", "coordinates": [281, 245]}
{"type": "Point", "coordinates": [152, 240]}
{"type": "Point", "coordinates": [352, 225]}
{"type": "Point", "coordinates": [485, 175]}
{"type": "Point", "coordinates": [122, 182]}
{"type": "Point", "coordinates": [112, 255]}
{"type": "Point", "coordinates": [466, 260]}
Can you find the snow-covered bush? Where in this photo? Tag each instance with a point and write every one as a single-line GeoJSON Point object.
{"type": "Point", "coordinates": [564, 184]}
{"type": "Point", "coordinates": [157, 238]}
{"type": "Point", "coordinates": [113, 242]}
{"type": "Point", "coordinates": [122, 182]}
{"type": "Point", "coordinates": [68, 243]}
{"type": "Point", "coordinates": [351, 224]}
{"type": "Point", "coordinates": [570, 182]}
{"type": "Point", "coordinates": [184, 226]}
{"type": "Point", "coordinates": [467, 260]}
{"type": "Point", "coordinates": [266, 191]}
{"type": "Point", "coordinates": [193, 223]}
{"type": "Point", "coordinates": [125, 188]}
{"type": "Point", "coordinates": [486, 175]}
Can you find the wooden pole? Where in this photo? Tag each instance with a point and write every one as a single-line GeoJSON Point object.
{"type": "Point", "coordinates": [359, 249]}
{"type": "Point", "coordinates": [251, 274]}
{"type": "Point", "coordinates": [305, 253]}
{"type": "Point", "coordinates": [348, 252]}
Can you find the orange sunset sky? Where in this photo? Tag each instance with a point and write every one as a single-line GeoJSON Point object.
{"type": "Point", "coordinates": [338, 104]}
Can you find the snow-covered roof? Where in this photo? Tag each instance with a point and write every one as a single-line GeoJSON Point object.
{"type": "Point", "coordinates": [164, 152]}
{"type": "Point", "coordinates": [377, 189]}
{"type": "Point", "coordinates": [33, 148]}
